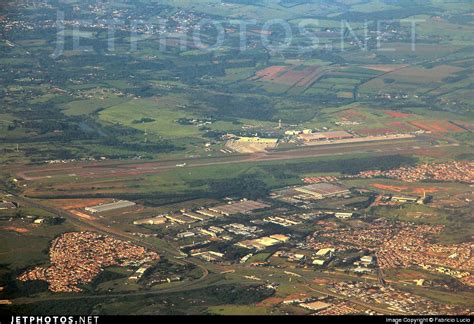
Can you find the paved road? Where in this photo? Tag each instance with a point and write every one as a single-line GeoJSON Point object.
{"type": "Point", "coordinates": [104, 229]}
{"type": "Point", "coordinates": [194, 285]}
{"type": "Point", "coordinates": [151, 167]}
{"type": "Point", "coordinates": [356, 301]}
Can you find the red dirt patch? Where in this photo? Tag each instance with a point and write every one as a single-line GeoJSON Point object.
{"type": "Point", "coordinates": [270, 73]}
{"type": "Point", "coordinates": [322, 281]}
{"type": "Point", "coordinates": [414, 190]}
{"type": "Point", "coordinates": [77, 203]}
{"type": "Point", "coordinates": [436, 126]}
{"type": "Point", "coordinates": [421, 190]}
{"type": "Point", "coordinates": [388, 187]}
{"type": "Point", "coordinates": [19, 230]}
{"type": "Point", "coordinates": [396, 114]}
{"type": "Point", "coordinates": [82, 215]}
{"type": "Point", "coordinates": [300, 76]}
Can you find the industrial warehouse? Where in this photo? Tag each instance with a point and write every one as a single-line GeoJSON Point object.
{"type": "Point", "coordinates": [311, 192]}
{"type": "Point", "coordinates": [204, 214]}
{"type": "Point", "coordinates": [323, 190]}
{"type": "Point", "coordinates": [110, 206]}
{"type": "Point", "coordinates": [239, 207]}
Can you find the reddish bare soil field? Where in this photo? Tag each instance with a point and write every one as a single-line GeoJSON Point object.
{"type": "Point", "coordinates": [421, 190]}
{"type": "Point", "coordinates": [388, 187]}
{"type": "Point", "coordinates": [19, 230]}
{"type": "Point", "coordinates": [77, 203]}
{"type": "Point", "coordinates": [299, 76]}
{"type": "Point", "coordinates": [396, 114]}
{"type": "Point", "coordinates": [322, 281]}
{"type": "Point", "coordinates": [437, 126]}
{"type": "Point", "coordinates": [83, 215]}
{"type": "Point", "coordinates": [351, 115]}
{"type": "Point", "coordinates": [414, 190]}
{"type": "Point", "coordinates": [270, 73]}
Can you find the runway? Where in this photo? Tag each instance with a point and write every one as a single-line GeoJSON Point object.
{"type": "Point", "coordinates": [107, 169]}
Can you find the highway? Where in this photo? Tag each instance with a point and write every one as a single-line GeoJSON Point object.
{"type": "Point", "coordinates": [145, 167]}
{"type": "Point", "coordinates": [104, 229]}
{"type": "Point", "coordinates": [355, 301]}
{"type": "Point", "coordinates": [184, 286]}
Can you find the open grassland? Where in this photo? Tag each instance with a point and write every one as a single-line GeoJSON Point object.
{"type": "Point", "coordinates": [239, 310]}
{"type": "Point", "coordinates": [410, 79]}
{"type": "Point", "coordinates": [20, 249]}
{"type": "Point", "coordinates": [92, 105]}
{"type": "Point", "coordinates": [163, 110]}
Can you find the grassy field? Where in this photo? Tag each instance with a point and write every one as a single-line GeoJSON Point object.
{"type": "Point", "coordinates": [24, 250]}
{"type": "Point", "coordinates": [163, 110]}
{"type": "Point", "coordinates": [90, 106]}
{"type": "Point", "coordinates": [181, 180]}
{"type": "Point", "coordinates": [240, 310]}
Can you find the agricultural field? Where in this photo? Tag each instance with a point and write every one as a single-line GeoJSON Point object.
{"type": "Point", "coordinates": [295, 78]}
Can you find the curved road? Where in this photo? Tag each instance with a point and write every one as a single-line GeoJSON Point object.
{"type": "Point", "coordinates": [103, 229]}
